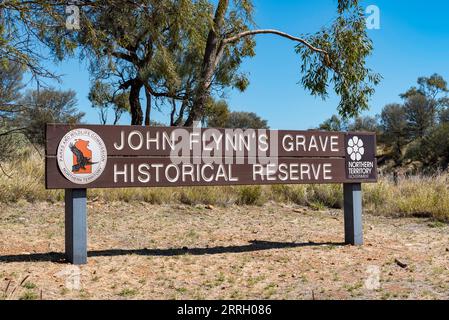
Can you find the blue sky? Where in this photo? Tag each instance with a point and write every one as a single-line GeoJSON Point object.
{"type": "Point", "coordinates": [412, 42]}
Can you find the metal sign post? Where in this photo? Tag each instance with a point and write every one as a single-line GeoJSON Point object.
{"type": "Point", "coordinates": [76, 226]}
{"type": "Point", "coordinates": [352, 193]}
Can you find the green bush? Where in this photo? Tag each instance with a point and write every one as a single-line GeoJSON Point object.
{"type": "Point", "coordinates": [328, 195]}
{"type": "Point", "coordinates": [250, 195]}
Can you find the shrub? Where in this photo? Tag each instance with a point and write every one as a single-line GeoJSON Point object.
{"type": "Point", "coordinates": [250, 195]}
{"type": "Point", "coordinates": [328, 195]}
{"type": "Point", "coordinates": [290, 193]}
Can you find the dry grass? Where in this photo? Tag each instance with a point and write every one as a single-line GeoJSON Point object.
{"type": "Point", "coordinates": [274, 251]}
{"type": "Point", "coordinates": [416, 196]}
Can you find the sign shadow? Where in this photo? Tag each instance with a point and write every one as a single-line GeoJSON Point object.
{"type": "Point", "coordinates": [252, 246]}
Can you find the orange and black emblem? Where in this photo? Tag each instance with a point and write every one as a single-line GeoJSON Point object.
{"type": "Point", "coordinates": [82, 157]}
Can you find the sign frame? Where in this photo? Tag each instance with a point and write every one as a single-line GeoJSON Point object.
{"type": "Point", "coordinates": [80, 157]}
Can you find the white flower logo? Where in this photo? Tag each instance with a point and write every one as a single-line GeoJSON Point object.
{"type": "Point", "coordinates": [355, 148]}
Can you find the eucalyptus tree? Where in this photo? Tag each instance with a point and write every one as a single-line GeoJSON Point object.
{"type": "Point", "coordinates": [44, 106]}
{"type": "Point", "coordinates": [159, 49]}
{"type": "Point", "coordinates": [103, 98]}
{"type": "Point", "coordinates": [11, 84]}
{"type": "Point", "coordinates": [11, 77]}
{"type": "Point", "coordinates": [182, 51]}
{"type": "Point", "coordinates": [18, 25]}
{"type": "Point", "coordinates": [27, 24]}
{"type": "Point", "coordinates": [425, 102]}
{"type": "Point", "coordinates": [131, 44]}
{"type": "Point", "coordinates": [334, 123]}
{"type": "Point", "coordinates": [393, 120]}
{"type": "Point", "coordinates": [335, 55]}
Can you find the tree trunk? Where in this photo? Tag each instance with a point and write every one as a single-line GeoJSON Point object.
{"type": "Point", "coordinates": [103, 116]}
{"type": "Point", "coordinates": [116, 117]}
{"type": "Point", "coordinates": [172, 113]}
{"type": "Point", "coordinates": [182, 109]}
{"type": "Point", "coordinates": [134, 102]}
{"type": "Point", "coordinates": [212, 55]}
{"type": "Point", "coordinates": [197, 111]}
{"type": "Point", "coordinates": [148, 108]}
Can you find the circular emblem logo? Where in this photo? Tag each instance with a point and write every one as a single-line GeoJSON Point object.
{"type": "Point", "coordinates": [82, 156]}
{"type": "Point", "coordinates": [355, 148]}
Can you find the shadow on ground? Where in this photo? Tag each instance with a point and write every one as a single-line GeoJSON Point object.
{"type": "Point", "coordinates": [253, 246]}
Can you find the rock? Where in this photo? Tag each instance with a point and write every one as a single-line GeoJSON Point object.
{"type": "Point", "coordinates": [400, 263]}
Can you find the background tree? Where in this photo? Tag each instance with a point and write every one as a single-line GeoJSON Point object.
{"type": "Point", "coordinates": [11, 76]}
{"type": "Point", "coordinates": [104, 99]}
{"type": "Point", "coordinates": [21, 25]}
{"type": "Point", "coordinates": [394, 128]}
{"type": "Point", "coordinates": [120, 105]}
{"type": "Point", "coordinates": [217, 114]}
{"type": "Point", "coordinates": [246, 120]}
{"type": "Point", "coordinates": [334, 123]}
{"type": "Point", "coordinates": [444, 116]}
{"type": "Point", "coordinates": [433, 90]}
{"type": "Point", "coordinates": [432, 151]}
{"type": "Point", "coordinates": [367, 123]}
{"type": "Point", "coordinates": [100, 97]}
{"type": "Point", "coordinates": [421, 115]}
{"type": "Point", "coordinates": [46, 106]}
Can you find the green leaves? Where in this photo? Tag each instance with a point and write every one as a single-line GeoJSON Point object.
{"type": "Point", "coordinates": [103, 97]}
{"type": "Point", "coordinates": [46, 106]}
{"type": "Point", "coordinates": [344, 5]}
{"type": "Point", "coordinates": [178, 49]}
{"type": "Point", "coordinates": [344, 67]}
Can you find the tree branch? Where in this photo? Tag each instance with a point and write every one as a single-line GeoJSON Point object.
{"type": "Point", "coordinates": [275, 32]}
{"type": "Point", "coordinates": [12, 131]}
{"type": "Point", "coordinates": [124, 56]}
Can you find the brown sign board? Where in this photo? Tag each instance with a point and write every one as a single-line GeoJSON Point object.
{"type": "Point", "coordinates": [94, 156]}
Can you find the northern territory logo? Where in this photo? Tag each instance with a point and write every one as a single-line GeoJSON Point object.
{"type": "Point", "coordinates": [360, 159]}
{"type": "Point", "coordinates": [82, 156]}
{"type": "Point", "coordinates": [355, 148]}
